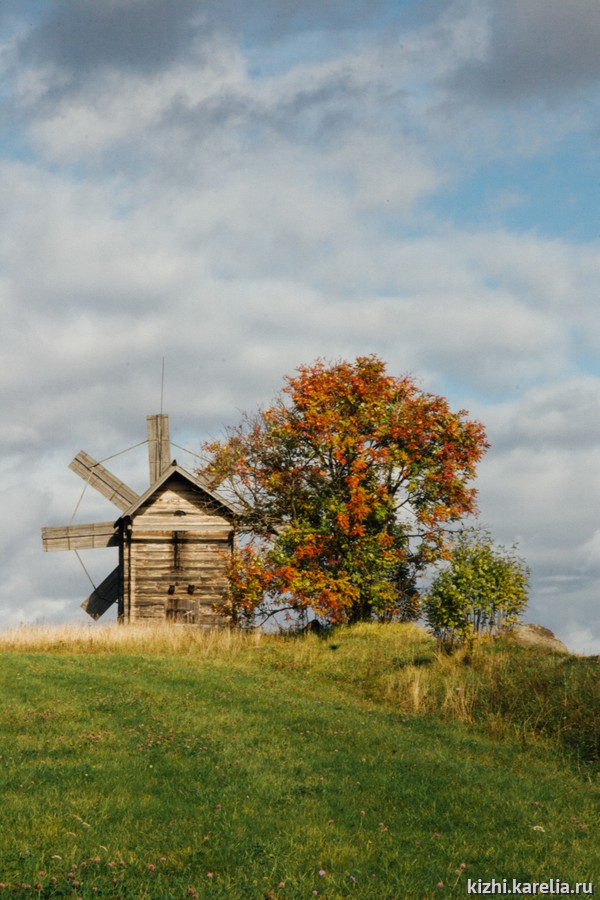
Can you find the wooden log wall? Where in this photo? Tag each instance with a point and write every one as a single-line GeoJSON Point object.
{"type": "Point", "coordinates": [175, 557]}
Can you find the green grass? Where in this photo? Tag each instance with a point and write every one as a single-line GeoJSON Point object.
{"type": "Point", "coordinates": [526, 694]}
{"type": "Point", "coordinates": [167, 767]}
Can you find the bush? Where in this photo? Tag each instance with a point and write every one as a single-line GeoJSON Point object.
{"type": "Point", "coordinates": [484, 587]}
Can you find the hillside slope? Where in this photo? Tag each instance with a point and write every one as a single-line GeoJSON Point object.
{"type": "Point", "coordinates": [177, 765]}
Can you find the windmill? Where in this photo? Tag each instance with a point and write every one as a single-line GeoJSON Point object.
{"type": "Point", "coordinates": [174, 540]}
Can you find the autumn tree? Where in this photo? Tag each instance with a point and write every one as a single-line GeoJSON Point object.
{"type": "Point", "coordinates": [347, 488]}
{"type": "Point", "coordinates": [483, 588]}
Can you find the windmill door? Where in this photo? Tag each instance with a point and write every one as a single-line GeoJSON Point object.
{"type": "Point", "coordinates": [198, 576]}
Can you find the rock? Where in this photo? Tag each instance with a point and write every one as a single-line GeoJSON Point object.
{"type": "Point", "coordinates": [538, 636]}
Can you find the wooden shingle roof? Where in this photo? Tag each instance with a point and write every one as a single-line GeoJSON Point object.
{"type": "Point", "coordinates": [196, 481]}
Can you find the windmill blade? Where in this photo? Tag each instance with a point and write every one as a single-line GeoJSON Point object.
{"type": "Point", "coordinates": [80, 537]}
{"type": "Point", "coordinates": [103, 597]}
{"type": "Point", "coordinates": [159, 445]}
{"type": "Point", "coordinates": [104, 481]}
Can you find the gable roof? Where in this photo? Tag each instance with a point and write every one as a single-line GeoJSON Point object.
{"type": "Point", "coordinates": [195, 480]}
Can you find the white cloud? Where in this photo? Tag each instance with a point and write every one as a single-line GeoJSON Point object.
{"type": "Point", "coordinates": [241, 223]}
{"type": "Point", "coordinates": [112, 111]}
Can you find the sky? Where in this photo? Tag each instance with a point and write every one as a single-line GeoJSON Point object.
{"type": "Point", "coordinates": [197, 198]}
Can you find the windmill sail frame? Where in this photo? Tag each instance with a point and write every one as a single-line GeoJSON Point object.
{"type": "Point", "coordinates": [175, 540]}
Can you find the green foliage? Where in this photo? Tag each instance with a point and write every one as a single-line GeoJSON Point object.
{"type": "Point", "coordinates": [484, 587]}
{"type": "Point", "coordinates": [346, 485]}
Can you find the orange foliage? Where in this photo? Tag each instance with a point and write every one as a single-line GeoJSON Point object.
{"type": "Point", "coordinates": [345, 483]}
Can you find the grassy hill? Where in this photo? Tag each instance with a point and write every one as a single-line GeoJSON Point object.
{"type": "Point", "coordinates": [172, 763]}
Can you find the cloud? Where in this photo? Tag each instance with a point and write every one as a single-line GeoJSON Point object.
{"type": "Point", "coordinates": [144, 37]}
{"type": "Point", "coordinates": [565, 416]}
{"type": "Point", "coordinates": [546, 501]}
{"type": "Point", "coordinates": [536, 48]}
{"type": "Point", "coordinates": [258, 191]}
{"type": "Point", "coordinates": [138, 36]}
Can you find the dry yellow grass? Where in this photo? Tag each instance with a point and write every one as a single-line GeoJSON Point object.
{"type": "Point", "coordinates": [154, 639]}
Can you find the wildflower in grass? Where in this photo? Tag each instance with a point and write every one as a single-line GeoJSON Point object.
{"type": "Point", "coordinates": [163, 859]}
{"type": "Point", "coordinates": [151, 867]}
{"type": "Point", "coordinates": [322, 873]}
{"type": "Point", "coordinates": [41, 873]}
{"type": "Point", "coordinates": [111, 864]}
{"type": "Point", "coordinates": [2, 885]}
{"type": "Point", "coordinates": [209, 874]}
{"type": "Point", "coordinates": [436, 834]}
{"type": "Point", "coordinates": [440, 884]}
{"type": "Point", "coordinates": [218, 806]}
{"type": "Point", "coordinates": [38, 886]}
{"type": "Point", "coordinates": [281, 884]}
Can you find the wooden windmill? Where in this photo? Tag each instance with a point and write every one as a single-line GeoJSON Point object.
{"type": "Point", "coordinates": [174, 540]}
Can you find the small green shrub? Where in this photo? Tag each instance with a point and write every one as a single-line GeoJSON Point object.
{"type": "Point", "coordinates": [484, 587]}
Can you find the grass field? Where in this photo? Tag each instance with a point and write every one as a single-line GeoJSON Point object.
{"type": "Point", "coordinates": [173, 764]}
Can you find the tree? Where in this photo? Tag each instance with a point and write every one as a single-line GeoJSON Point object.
{"type": "Point", "coordinates": [484, 587]}
{"type": "Point", "coordinates": [347, 486]}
